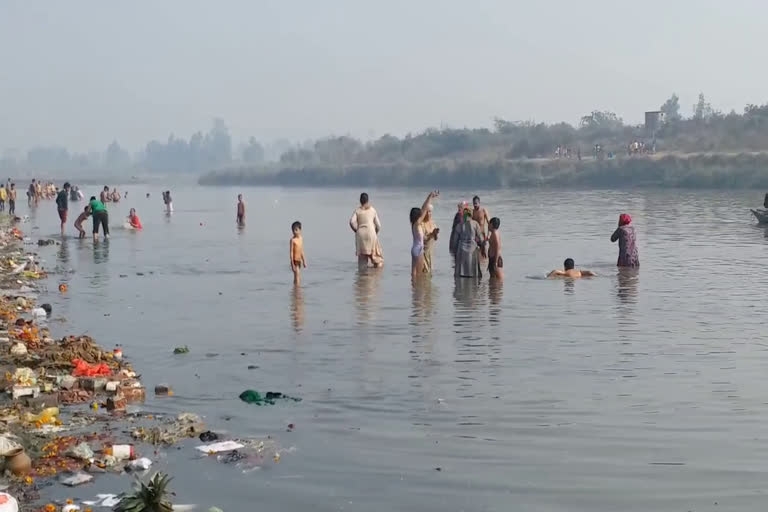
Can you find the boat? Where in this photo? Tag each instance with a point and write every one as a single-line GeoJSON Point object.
{"type": "Point", "coordinates": [761, 216]}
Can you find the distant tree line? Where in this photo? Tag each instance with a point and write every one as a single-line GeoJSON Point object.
{"type": "Point", "coordinates": [201, 152]}
{"type": "Point", "coordinates": [704, 130]}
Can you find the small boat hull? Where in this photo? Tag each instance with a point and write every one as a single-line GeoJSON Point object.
{"type": "Point", "coordinates": [761, 216]}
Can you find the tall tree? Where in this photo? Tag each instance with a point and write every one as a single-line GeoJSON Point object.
{"type": "Point", "coordinates": [702, 110]}
{"type": "Point", "coordinates": [671, 109]}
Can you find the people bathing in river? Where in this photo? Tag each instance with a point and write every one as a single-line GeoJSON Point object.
{"type": "Point", "coordinates": [495, 261]}
{"type": "Point", "coordinates": [168, 201]}
{"type": "Point", "coordinates": [417, 217]}
{"type": "Point", "coordinates": [105, 196]}
{"type": "Point", "coordinates": [240, 210]}
{"type": "Point", "coordinates": [62, 205]}
{"type": "Point", "coordinates": [100, 218]}
{"type": "Point", "coordinates": [453, 240]}
{"type": "Point", "coordinates": [431, 231]}
{"type": "Point", "coordinates": [625, 235]}
{"type": "Point", "coordinates": [134, 220]}
{"type": "Point", "coordinates": [79, 221]}
{"type": "Point", "coordinates": [366, 226]}
{"type": "Point", "coordinates": [469, 239]}
{"type": "Point", "coordinates": [115, 195]}
{"type": "Point", "coordinates": [569, 271]}
{"type": "Point", "coordinates": [12, 200]}
{"type": "Point", "coordinates": [480, 215]}
{"type": "Point", "coordinates": [298, 259]}
{"type": "Point", "coordinates": [32, 194]}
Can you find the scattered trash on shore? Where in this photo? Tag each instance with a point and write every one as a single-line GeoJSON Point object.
{"type": "Point", "coordinates": [208, 436]}
{"type": "Point", "coordinates": [75, 479]}
{"type": "Point", "coordinates": [185, 425]}
{"type": "Point", "coordinates": [47, 441]}
{"type": "Point", "coordinates": [223, 446]}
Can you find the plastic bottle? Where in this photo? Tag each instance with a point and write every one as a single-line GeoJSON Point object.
{"type": "Point", "coordinates": [121, 451]}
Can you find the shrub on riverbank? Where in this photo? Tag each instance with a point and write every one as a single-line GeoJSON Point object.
{"type": "Point", "coordinates": [700, 170]}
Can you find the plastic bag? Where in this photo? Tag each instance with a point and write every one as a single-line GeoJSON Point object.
{"type": "Point", "coordinates": [75, 479]}
{"type": "Point", "coordinates": [82, 451]}
{"type": "Point", "coordinates": [223, 446]}
{"type": "Point", "coordinates": [24, 377]}
{"type": "Point", "coordinates": [83, 369]}
{"type": "Point", "coordinates": [8, 444]}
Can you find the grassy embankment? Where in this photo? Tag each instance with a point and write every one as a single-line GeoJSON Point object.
{"type": "Point", "coordinates": [693, 170]}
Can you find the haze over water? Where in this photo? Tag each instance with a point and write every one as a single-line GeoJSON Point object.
{"type": "Point", "coordinates": [637, 391]}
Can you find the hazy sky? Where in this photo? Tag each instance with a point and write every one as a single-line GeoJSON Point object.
{"type": "Point", "coordinates": [81, 73]}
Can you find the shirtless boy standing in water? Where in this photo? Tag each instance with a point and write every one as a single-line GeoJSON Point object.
{"type": "Point", "coordinates": [570, 271]}
{"type": "Point", "coordinates": [240, 210]}
{"type": "Point", "coordinates": [297, 252]}
{"type": "Point", "coordinates": [495, 262]}
{"type": "Point", "coordinates": [480, 215]}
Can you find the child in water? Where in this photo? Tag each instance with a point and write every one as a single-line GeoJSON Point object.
{"type": "Point", "coordinates": [240, 210]}
{"type": "Point", "coordinates": [495, 262]}
{"type": "Point", "coordinates": [297, 252]}
{"type": "Point", "coordinates": [80, 219]}
{"type": "Point", "coordinates": [133, 219]}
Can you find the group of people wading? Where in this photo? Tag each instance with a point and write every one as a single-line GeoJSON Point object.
{"type": "Point", "coordinates": [474, 244]}
{"type": "Point", "coordinates": [474, 239]}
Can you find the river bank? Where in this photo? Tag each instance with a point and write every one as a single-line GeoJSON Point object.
{"type": "Point", "coordinates": [73, 411]}
{"type": "Point", "coordinates": [696, 170]}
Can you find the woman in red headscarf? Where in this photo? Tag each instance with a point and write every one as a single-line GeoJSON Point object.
{"type": "Point", "coordinates": [625, 234]}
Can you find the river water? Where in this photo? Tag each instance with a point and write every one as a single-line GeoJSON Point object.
{"type": "Point", "coordinates": [637, 391]}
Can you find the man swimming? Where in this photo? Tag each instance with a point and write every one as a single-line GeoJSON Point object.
{"type": "Point", "coordinates": [570, 272]}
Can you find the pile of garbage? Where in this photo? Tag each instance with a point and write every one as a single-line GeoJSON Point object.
{"type": "Point", "coordinates": [44, 440]}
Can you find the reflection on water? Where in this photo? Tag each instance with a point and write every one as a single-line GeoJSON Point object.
{"type": "Point", "coordinates": [297, 308]}
{"type": "Point", "coordinates": [465, 294]}
{"type": "Point", "coordinates": [62, 257]}
{"type": "Point", "coordinates": [626, 285]}
{"type": "Point", "coordinates": [101, 252]}
{"type": "Point", "coordinates": [495, 298]}
{"type": "Point", "coordinates": [422, 301]}
{"type": "Point", "coordinates": [367, 281]}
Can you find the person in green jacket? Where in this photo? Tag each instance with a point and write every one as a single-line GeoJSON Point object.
{"type": "Point", "coordinates": [100, 216]}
